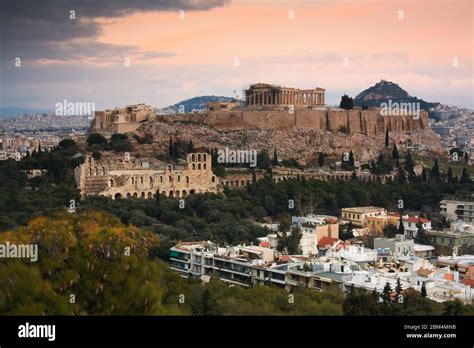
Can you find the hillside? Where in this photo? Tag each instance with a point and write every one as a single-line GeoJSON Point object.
{"type": "Point", "coordinates": [384, 91]}
{"type": "Point", "coordinates": [199, 103]}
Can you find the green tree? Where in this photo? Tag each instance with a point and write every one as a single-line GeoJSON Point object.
{"type": "Point", "coordinates": [434, 173]}
{"type": "Point", "coordinates": [421, 236]}
{"type": "Point", "coordinates": [346, 102]}
{"type": "Point", "coordinates": [387, 293]}
{"type": "Point", "coordinates": [96, 139]}
{"type": "Point", "coordinates": [395, 153]}
{"type": "Point", "coordinates": [321, 159]}
{"type": "Point", "coordinates": [465, 178]}
{"type": "Point", "coordinates": [275, 158]}
{"type": "Point", "coordinates": [423, 289]}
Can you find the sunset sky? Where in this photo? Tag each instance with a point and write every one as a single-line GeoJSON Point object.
{"type": "Point", "coordinates": [223, 46]}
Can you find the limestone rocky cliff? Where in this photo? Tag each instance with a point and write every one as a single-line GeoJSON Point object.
{"type": "Point", "coordinates": [368, 122]}
{"type": "Point", "coordinates": [301, 135]}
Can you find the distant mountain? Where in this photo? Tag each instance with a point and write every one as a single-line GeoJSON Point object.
{"type": "Point", "coordinates": [384, 91]}
{"type": "Point", "coordinates": [12, 112]}
{"type": "Point", "coordinates": [199, 103]}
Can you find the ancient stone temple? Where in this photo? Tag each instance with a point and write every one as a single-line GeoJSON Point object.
{"type": "Point", "coordinates": [121, 120]}
{"type": "Point", "coordinates": [129, 177]}
{"type": "Point", "coordinates": [261, 94]}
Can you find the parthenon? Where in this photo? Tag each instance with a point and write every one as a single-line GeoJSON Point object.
{"type": "Point", "coordinates": [260, 94]}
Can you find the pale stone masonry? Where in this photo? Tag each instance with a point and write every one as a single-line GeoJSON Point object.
{"type": "Point", "coordinates": [261, 94]}
{"type": "Point", "coordinates": [121, 120]}
{"type": "Point", "coordinates": [141, 179]}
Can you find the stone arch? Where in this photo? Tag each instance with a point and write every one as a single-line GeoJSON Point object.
{"type": "Point", "coordinates": [135, 195]}
{"type": "Point", "coordinates": [143, 194]}
{"type": "Point", "coordinates": [199, 157]}
{"type": "Point", "coordinates": [204, 158]}
{"type": "Point", "coordinates": [183, 193]}
{"type": "Point", "coordinates": [176, 194]}
{"type": "Point", "coordinates": [133, 180]}
{"type": "Point", "coordinates": [242, 183]}
{"type": "Point", "coordinates": [161, 178]}
{"type": "Point", "coordinates": [111, 183]}
{"type": "Point", "coordinates": [248, 182]}
{"type": "Point", "coordinates": [194, 166]}
{"type": "Point", "coordinates": [118, 195]}
{"type": "Point", "coordinates": [171, 193]}
{"type": "Point", "coordinates": [170, 178]}
{"type": "Point", "coordinates": [148, 195]}
{"type": "Point", "coordinates": [199, 166]}
{"type": "Point", "coordinates": [193, 191]}
{"type": "Point", "coordinates": [204, 166]}
{"type": "Point", "coordinates": [129, 195]}
{"type": "Point", "coordinates": [179, 178]}
{"type": "Point", "coordinates": [213, 179]}
{"type": "Point", "coordinates": [187, 180]}
{"type": "Point", "coordinates": [193, 158]}
{"type": "Point", "coordinates": [141, 180]}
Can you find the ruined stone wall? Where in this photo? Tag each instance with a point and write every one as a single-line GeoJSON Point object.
{"type": "Point", "coordinates": [368, 122]}
{"type": "Point", "coordinates": [123, 180]}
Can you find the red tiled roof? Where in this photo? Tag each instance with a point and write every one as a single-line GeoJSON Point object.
{"type": "Point", "coordinates": [265, 244]}
{"type": "Point", "coordinates": [468, 281]}
{"type": "Point", "coordinates": [416, 219]}
{"type": "Point", "coordinates": [325, 241]}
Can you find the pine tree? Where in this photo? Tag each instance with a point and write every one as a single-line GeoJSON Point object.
{"type": "Point", "coordinates": [466, 157]}
{"type": "Point", "coordinates": [386, 137]}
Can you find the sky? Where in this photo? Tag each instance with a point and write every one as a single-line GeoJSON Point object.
{"type": "Point", "coordinates": [117, 52]}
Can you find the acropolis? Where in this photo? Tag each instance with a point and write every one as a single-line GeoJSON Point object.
{"type": "Point", "coordinates": [261, 94]}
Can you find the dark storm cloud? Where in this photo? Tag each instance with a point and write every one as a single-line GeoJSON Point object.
{"type": "Point", "coordinates": [35, 29]}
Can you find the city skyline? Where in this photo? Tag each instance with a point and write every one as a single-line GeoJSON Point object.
{"type": "Point", "coordinates": [218, 47]}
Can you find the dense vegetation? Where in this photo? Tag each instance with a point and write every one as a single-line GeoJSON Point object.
{"type": "Point", "coordinates": [83, 254]}
{"type": "Point", "coordinates": [91, 263]}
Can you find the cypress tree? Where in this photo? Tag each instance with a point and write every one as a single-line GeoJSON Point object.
{"type": "Point", "coordinates": [321, 159]}
{"type": "Point", "coordinates": [395, 152]}
{"type": "Point", "coordinates": [275, 158]}
{"type": "Point", "coordinates": [465, 179]}
{"type": "Point", "coordinates": [450, 175]}
{"type": "Point", "coordinates": [435, 171]}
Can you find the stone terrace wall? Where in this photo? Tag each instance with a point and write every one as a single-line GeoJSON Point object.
{"type": "Point", "coordinates": [368, 122]}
